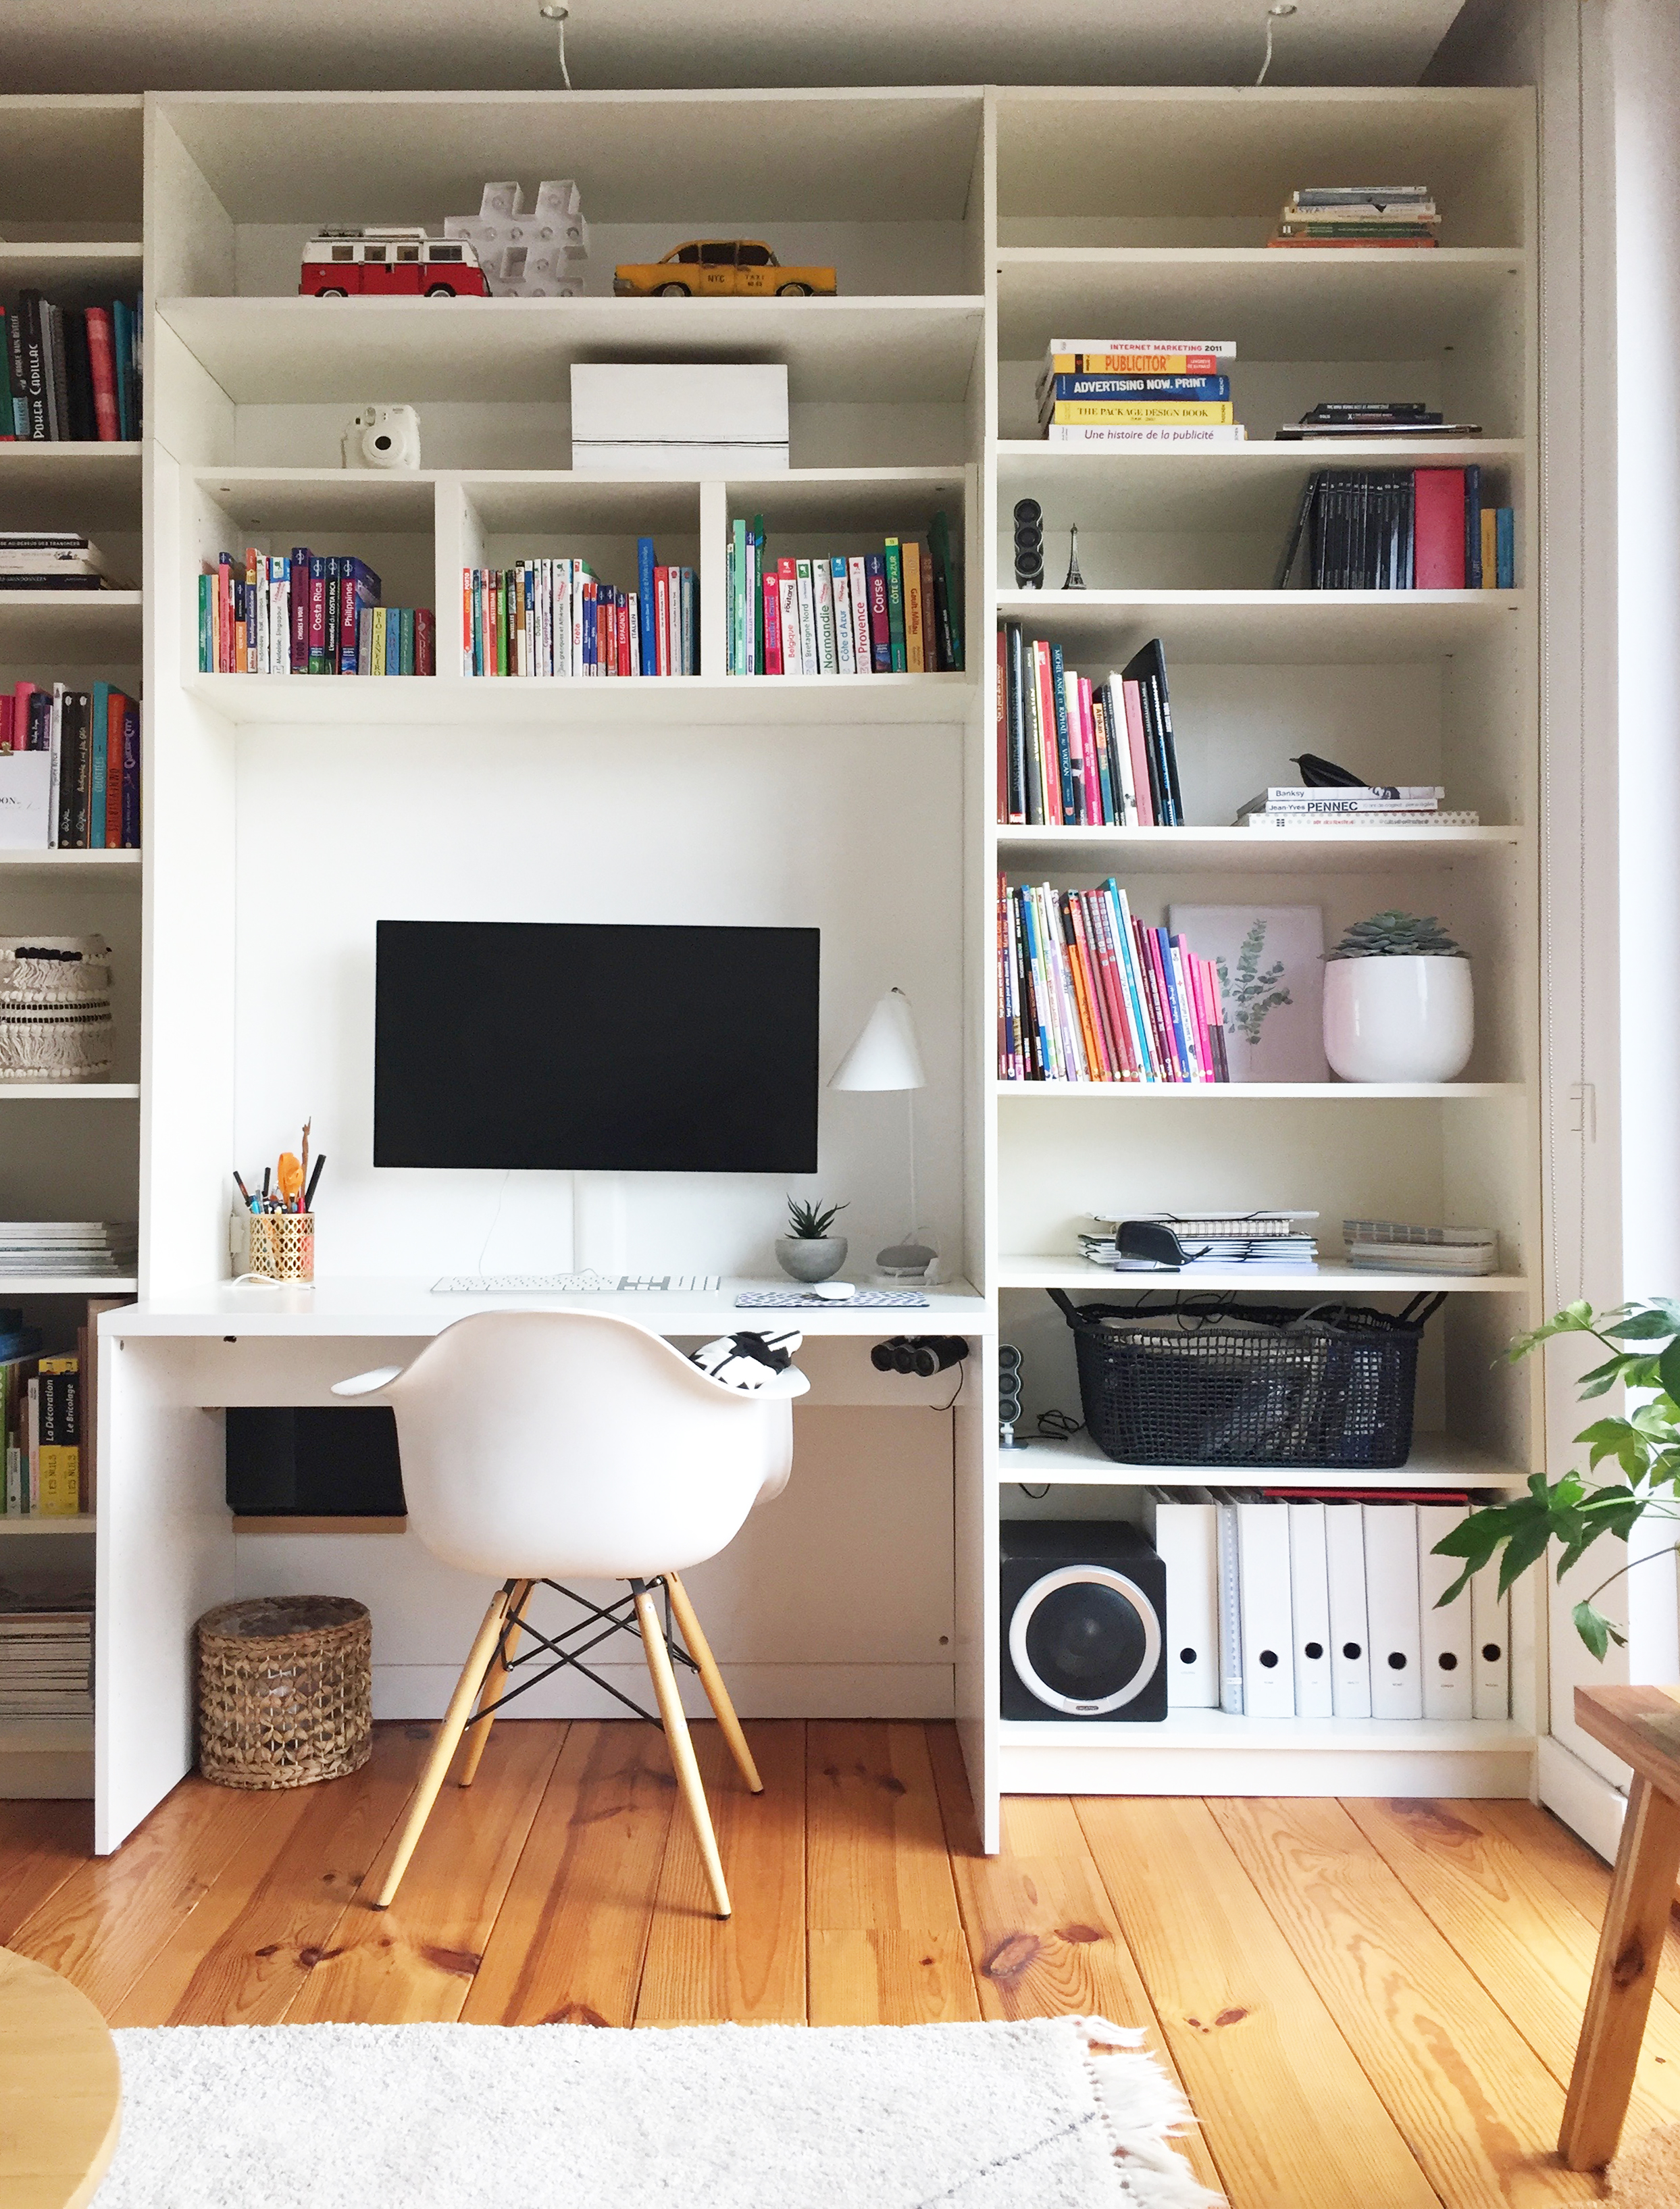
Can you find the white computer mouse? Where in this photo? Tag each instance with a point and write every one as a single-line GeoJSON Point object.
{"type": "Point", "coordinates": [834, 1292]}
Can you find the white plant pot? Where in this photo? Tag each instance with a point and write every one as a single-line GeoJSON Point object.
{"type": "Point", "coordinates": [1398, 1019]}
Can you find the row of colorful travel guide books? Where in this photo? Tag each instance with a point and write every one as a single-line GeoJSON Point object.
{"type": "Point", "coordinates": [892, 612]}
{"type": "Point", "coordinates": [1077, 755]}
{"type": "Point", "coordinates": [1398, 529]}
{"type": "Point", "coordinates": [306, 613]}
{"type": "Point", "coordinates": [70, 768]}
{"type": "Point", "coordinates": [70, 374]}
{"type": "Point", "coordinates": [1087, 993]}
{"type": "Point", "coordinates": [1121, 393]}
{"type": "Point", "coordinates": [558, 617]}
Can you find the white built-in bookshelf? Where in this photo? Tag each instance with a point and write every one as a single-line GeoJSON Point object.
{"type": "Point", "coordinates": [284, 814]}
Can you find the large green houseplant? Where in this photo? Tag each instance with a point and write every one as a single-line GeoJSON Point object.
{"type": "Point", "coordinates": [1644, 1442]}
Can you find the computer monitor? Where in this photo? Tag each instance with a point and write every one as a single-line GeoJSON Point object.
{"type": "Point", "coordinates": [610, 1048]}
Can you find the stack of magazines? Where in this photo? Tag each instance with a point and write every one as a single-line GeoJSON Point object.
{"type": "Point", "coordinates": [1387, 1246]}
{"type": "Point", "coordinates": [103, 1247]}
{"type": "Point", "coordinates": [1265, 1242]}
{"type": "Point", "coordinates": [47, 1646]}
{"type": "Point", "coordinates": [1361, 806]}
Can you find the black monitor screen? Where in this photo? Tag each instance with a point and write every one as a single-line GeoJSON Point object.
{"type": "Point", "coordinates": [614, 1049]}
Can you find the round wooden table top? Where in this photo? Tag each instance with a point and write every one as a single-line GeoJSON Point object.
{"type": "Point", "coordinates": [61, 2093]}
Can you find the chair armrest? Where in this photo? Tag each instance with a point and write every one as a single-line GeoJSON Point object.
{"type": "Point", "coordinates": [789, 1383]}
{"type": "Point", "coordinates": [368, 1384]}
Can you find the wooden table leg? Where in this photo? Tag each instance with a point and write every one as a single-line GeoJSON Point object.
{"type": "Point", "coordinates": [1624, 1974]}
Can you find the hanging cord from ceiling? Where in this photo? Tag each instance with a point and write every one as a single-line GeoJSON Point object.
{"type": "Point", "coordinates": [558, 17]}
{"type": "Point", "coordinates": [1274, 15]}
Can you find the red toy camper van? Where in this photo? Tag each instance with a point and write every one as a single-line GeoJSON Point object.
{"type": "Point", "coordinates": [375, 263]}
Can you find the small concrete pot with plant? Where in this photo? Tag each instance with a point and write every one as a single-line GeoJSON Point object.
{"type": "Point", "coordinates": [1397, 1002]}
{"type": "Point", "coordinates": [809, 1252]}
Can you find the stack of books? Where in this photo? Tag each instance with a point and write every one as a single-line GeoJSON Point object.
{"type": "Point", "coordinates": [68, 374]}
{"type": "Point", "coordinates": [47, 1645]}
{"type": "Point", "coordinates": [1077, 755]}
{"type": "Point", "coordinates": [49, 560]}
{"type": "Point", "coordinates": [104, 1247]}
{"type": "Point", "coordinates": [1358, 214]}
{"type": "Point", "coordinates": [558, 617]}
{"type": "Point", "coordinates": [1271, 1240]}
{"type": "Point", "coordinates": [1398, 529]}
{"type": "Point", "coordinates": [1387, 1246]}
{"type": "Point", "coordinates": [897, 611]}
{"type": "Point", "coordinates": [306, 613]}
{"type": "Point", "coordinates": [1354, 805]}
{"type": "Point", "coordinates": [1137, 392]}
{"type": "Point", "coordinates": [1374, 418]}
{"type": "Point", "coordinates": [70, 768]}
{"type": "Point", "coordinates": [1085, 993]}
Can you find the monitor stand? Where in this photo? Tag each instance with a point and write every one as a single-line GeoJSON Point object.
{"type": "Point", "coordinates": [599, 1238]}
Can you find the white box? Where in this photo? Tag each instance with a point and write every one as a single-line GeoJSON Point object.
{"type": "Point", "coordinates": [25, 790]}
{"type": "Point", "coordinates": [678, 418]}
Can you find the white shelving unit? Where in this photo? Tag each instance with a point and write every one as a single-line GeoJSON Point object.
{"type": "Point", "coordinates": [70, 210]}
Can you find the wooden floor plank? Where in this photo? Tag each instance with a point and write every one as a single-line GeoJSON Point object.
{"type": "Point", "coordinates": [1291, 2116]}
{"type": "Point", "coordinates": [41, 1844]}
{"type": "Point", "coordinates": [1580, 1876]}
{"type": "Point", "coordinates": [1043, 1936]}
{"type": "Point", "coordinates": [1530, 1949]}
{"type": "Point", "coordinates": [886, 1939]}
{"type": "Point", "coordinates": [272, 1913]}
{"type": "Point", "coordinates": [1478, 2107]}
{"type": "Point", "coordinates": [751, 1969]}
{"type": "Point", "coordinates": [415, 1962]}
{"type": "Point", "coordinates": [570, 1938]}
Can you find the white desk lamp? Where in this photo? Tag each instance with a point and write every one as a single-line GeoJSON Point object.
{"type": "Point", "coordinates": [887, 1056]}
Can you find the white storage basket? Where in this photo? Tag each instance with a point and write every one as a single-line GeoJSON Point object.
{"type": "Point", "coordinates": [55, 1008]}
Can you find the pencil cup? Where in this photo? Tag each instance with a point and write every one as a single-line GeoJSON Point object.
{"type": "Point", "coordinates": [282, 1245]}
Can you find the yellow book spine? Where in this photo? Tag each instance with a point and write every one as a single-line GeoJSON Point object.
{"type": "Point", "coordinates": [1490, 549]}
{"type": "Point", "coordinates": [915, 651]}
{"type": "Point", "coordinates": [1133, 363]}
{"type": "Point", "coordinates": [1087, 411]}
{"type": "Point", "coordinates": [60, 1480]}
{"type": "Point", "coordinates": [379, 666]}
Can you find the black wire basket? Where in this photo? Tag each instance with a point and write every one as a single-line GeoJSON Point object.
{"type": "Point", "coordinates": [1219, 1383]}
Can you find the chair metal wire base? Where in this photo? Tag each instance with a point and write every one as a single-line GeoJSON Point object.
{"type": "Point", "coordinates": [610, 1622]}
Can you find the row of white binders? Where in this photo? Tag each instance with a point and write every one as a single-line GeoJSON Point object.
{"type": "Point", "coordinates": [1318, 1609]}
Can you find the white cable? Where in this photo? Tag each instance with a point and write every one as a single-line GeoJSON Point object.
{"type": "Point", "coordinates": [1273, 15]}
{"type": "Point", "coordinates": [557, 16]}
{"type": "Point", "coordinates": [497, 1214]}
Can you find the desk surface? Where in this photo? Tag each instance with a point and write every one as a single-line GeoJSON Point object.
{"type": "Point", "coordinates": [356, 1306]}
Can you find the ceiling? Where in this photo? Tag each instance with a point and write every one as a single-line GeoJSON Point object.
{"type": "Point", "coordinates": [130, 46]}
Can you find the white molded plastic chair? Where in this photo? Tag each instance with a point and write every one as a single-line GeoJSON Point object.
{"type": "Point", "coordinates": [538, 1446]}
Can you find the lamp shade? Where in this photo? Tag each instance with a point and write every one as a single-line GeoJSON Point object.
{"type": "Point", "coordinates": [887, 1055]}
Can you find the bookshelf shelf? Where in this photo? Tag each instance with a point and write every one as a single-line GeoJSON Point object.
{"type": "Point", "coordinates": [115, 871]}
{"type": "Point", "coordinates": [67, 1093]}
{"type": "Point", "coordinates": [1058, 1271]}
{"type": "Point", "coordinates": [1437, 1462]}
{"type": "Point", "coordinates": [84, 626]}
{"type": "Point", "coordinates": [1340, 851]}
{"type": "Point", "coordinates": [68, 1284]}
{"type": "Point", "coordinates": [1260, 1092]}
{"type": "Point", "coordinates": [44, 1737]}
{"type": "Point", "coordinates": [83, 1522]}
{"type": "Point", "coordinates": [72, 274]}
{"type": "Point", "coordinates": [1271, 628]}
{"type": "Point", "coordinates": [294, 351]}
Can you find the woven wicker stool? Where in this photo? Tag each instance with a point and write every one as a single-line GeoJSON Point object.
{"type": "Point", "coordinates": [285, 1690]}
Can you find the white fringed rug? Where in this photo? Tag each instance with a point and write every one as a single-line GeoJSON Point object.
{"type": "Point", "coordinates": [1064, 2113]}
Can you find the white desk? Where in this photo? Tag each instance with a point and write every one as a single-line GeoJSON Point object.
{"type": "Point", "coordinates": [165, 1544]}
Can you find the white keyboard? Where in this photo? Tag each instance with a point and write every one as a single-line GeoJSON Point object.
{"type": "Point", "coordinates": [574, 1285]}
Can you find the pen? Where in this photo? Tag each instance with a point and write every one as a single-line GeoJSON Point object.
{"type": "Point", "coordinates": [309, 1194]}
{"type": "Point", "coordinates": [242, 1190]}
{"type": "Point", "coordinates": [266, 1176]}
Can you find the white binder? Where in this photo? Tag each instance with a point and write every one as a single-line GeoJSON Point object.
{"type": "Point", "coordinates": [1349, 1630]}
{"type": "Point", "coordinates": [1448, 1680]}
{"type": "Point", "coordinates": [1269, 1638]}
{"type": "Point", "coordinates": [1230, 1609]}
{"type": "Point", "coordinates": [1187, 1544]}
{"type": "Point", "coordinates": [1391, 1598]}
{"type": "Point", "coordinates": [1310, 1604]}
{"type": "Point", "coordinates": [1491, 1640]}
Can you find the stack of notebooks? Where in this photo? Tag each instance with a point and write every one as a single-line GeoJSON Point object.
{"type": "Point", "coordinates": [558, 617]}
{"type": "Point", "coordinates": [1137, 392]}
{"type": "Point", "coordinates": [1085, 993]}
{"type": "Point", "coordinates": [70, 768]}
{"type": "Point", "coordinates": [1387, 1246]}
{"type": "Point", "coordinates": [897, 611]}
{"type": "Point", "coordinates": [47, 1645]}
{"type": "Point", "coordinates": [1358, 214]}
{"type": "Point", "coordinates": [306, 613]}
{"type": "Point", "coordinates": [1271, 1240]}
{"type": "Point", "coordinates": [1355, 805]}
{"type": "Point", "coordinates": [70, 374]}
{"type": "Point", "coordinates": [49, 560]}
{"type": "Point", "coordinates": [1398, 529]}
{"type": "Point", "coordinates": [1373, 417]}
{"type": "Point", "coordinates": [104, 1247]}
{"type": "Point", "coordinates": [1286, 1603]}
{"type": "Point", "coordinates": [1076, 755]}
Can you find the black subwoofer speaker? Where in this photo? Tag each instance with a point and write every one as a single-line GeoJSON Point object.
{"type": "Point", "coordinates": [1084, 1618]}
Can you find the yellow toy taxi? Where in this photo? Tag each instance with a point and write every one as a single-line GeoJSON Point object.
{"type": "Point", "coordinates": [720, 268]}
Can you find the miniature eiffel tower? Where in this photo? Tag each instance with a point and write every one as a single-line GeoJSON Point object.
{"type": "Point", "coordinates": [1073, 581]}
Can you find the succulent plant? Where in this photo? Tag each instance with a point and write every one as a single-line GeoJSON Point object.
{"type": "Point", "coordinates": [1396, 935]}
{"type": "Point", "coordinates": [813, 1222]}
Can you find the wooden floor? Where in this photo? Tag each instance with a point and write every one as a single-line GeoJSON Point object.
{"type": "Point", "coordinates": [1371, 2005]}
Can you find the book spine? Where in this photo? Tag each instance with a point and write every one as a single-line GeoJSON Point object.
{"type": "Point", "coordinates": [1099, 387]}
{"type": "Point", "coordinates": [1139, 413]}
{"type": "Point", "coordinates": [807, 652]}
{"type": "Point", "coordinates": [914, 660]}
{"type": "Point", "coordinates": [828, 644]}
{"type": "Point", "coordinates": [1438, 554]}
{"type": "Point", "coordinates": [1068, 764]}
{"type": "Point", "coordinates": [737, 608]}
{"type": "Point", "coordinates": [13, 423]}
{"type": "Point", "coordinates": [858, 591]}
{"type": "Point", "coordinates": [1505, 521]}
{"type": "Point", "coordinates": [1018, 786]}
{"type": "Point", "coordinates": [770, 617]}
{"type": "Point", "coordinates": [894, 565]}
{"type": "Point", "coordinates": [98, 764]}
{"type": "Point", "coordinates": [788, 592]}
{"type": "Point", "coordinates": [1056, 792]}
{"type": "Point", "coordinates": [846, 635]}
{"type": "Point", "coordinates": [947, 596]}
{"type": "Point", "coordinates": [34, 385]}
{"type": "Point", "coordinates": [1001, 716]}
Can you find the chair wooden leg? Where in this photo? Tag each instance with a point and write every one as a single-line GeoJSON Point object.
{"type": "Point", "coordinates": [712, 1680]}
{"type": "Point", "coordinates": [443, 1748]}
{"type": "Point", "coordinates": [682, 1748]}
{"type": "Point", "coordinates": [495, 1679]}
{"type": "Point", "coordinates": [1624, 1974]}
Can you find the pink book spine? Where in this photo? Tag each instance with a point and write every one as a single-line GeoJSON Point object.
{"type": "Point", "coordinates": [1132, 701]}
{"type": "Point", "coordinates": [858, 591]}
{"type": "Point", "coordinates": [1150, 957]}
{"type": "Point", "coordinates": [1191, 1023]}
{"type": "Point", "coordinates": [772, 625]}
{"type": "Point", "coordinates": [1203, 1011]}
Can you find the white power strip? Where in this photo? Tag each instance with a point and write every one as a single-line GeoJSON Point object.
{"type": "Point", "coordinates": [574, 1285]}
